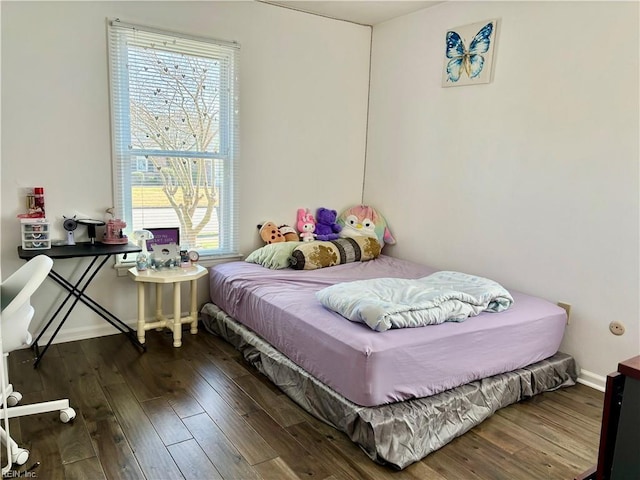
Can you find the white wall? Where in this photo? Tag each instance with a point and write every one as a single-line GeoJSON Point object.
{"type": "Point", "coordinates": [531, 180]}
{"type": "Point", "coordinates": [303, 84]}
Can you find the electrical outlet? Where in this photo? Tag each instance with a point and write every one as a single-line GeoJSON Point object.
{"type": "Point", "coordinates": [567, 308]}
{"type": "Point", "coordinates": [617, 328]}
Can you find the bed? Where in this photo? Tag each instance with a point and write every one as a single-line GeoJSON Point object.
{"type": "Point", "coordinates": [399, 394]}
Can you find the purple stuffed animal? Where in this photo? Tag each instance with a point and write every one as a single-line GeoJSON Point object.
{"type": "Point", "coordinates": [326, 226]}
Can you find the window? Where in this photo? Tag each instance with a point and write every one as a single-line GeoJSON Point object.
{"type": "Point", "coordinates": [175, 134]}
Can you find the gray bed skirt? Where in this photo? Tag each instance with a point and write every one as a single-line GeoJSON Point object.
{"type": "Point", "coordinates": [401, 433]}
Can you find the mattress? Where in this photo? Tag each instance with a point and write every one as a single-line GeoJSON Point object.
{"type": "Point", "coordinates": [372, 368]}
{"type": "Point", "coordinates": [395, 434]}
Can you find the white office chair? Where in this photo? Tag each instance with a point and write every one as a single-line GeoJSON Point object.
{"type": "Point", "coordinates": [16, 314]}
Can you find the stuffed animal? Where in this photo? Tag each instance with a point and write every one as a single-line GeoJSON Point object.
{"type": "Point", "coordinates": [326, 226]}
{"type": "Point", "coordinates": [289, 233]}
{"type": "Point", "coordinates": [306, 225]}
{"type": "Point", "coordinates": [270, 233]}
{"type": "Point", "coordinates": [363, 220]}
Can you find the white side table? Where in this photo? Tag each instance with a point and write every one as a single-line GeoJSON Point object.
{"type": "Point", "coordinates": [160, 277]}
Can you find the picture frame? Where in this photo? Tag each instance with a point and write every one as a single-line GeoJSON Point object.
{"type": "Point", "coordinates": [469, 54]}
{"type": "Point", "coordinates": [163, 236]}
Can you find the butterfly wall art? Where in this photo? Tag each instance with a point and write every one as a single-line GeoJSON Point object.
{"type": "Point", "coordinates": [469, 54]}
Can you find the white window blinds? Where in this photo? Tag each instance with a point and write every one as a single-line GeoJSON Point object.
{"type": "Point", "coordinates": [175, 134]}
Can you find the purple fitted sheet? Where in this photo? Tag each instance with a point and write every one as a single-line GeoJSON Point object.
{"type": "Point", "coordinates": [373, 368]}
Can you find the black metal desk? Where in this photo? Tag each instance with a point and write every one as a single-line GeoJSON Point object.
{"type": "Point", "coordinates": [77, 289]}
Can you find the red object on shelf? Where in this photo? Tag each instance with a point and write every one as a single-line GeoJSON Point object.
{"type": "Point", "coordinates": [38, 193]}
{"type": "Point", "coordinates": [35, 204]}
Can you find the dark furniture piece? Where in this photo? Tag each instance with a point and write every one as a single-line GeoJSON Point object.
{"type": "Point", "coordinates": [619, 452]}
{"type": "Point", "coordinates": [99, 254]}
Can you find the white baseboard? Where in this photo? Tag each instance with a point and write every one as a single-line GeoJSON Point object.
{"type": "Point", "coordinates": [71, 334]}
{"type": "Point", "coordinates": [592, 380]}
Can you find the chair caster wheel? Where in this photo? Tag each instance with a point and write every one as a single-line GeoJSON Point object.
{"type": "Point", "coordinates": [13, 399]}
{"type": "Point", "coordinates": [67, 415]}
{"type": "Point", "coordinates": [19, 456]}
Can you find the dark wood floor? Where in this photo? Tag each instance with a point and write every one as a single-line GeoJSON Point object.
{"type": "Point", "coordinates": [200, 411]}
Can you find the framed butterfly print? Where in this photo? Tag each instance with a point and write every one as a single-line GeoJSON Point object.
{"type": "Point", "coordinates": [468, 56]}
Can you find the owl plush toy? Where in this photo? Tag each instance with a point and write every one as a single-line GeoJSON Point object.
{"type": "Point", "coordinates": [363, 220]}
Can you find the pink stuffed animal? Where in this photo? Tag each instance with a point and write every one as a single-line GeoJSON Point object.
{"type": "Point", "coordinates": [306, 225]}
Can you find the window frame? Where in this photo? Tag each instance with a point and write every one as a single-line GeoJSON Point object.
{"type": "Point", "coordinates": [125, 156]}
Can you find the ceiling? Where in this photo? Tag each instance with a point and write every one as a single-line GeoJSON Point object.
{"type": "Point", "coordinates": [364, 12]}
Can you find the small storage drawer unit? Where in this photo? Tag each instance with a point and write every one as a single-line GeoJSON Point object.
{"type": "Point", "coordinates": [35, 234]}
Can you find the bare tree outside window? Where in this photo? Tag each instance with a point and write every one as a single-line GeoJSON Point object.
{"type": "Point", "coordinates": [175, 107]}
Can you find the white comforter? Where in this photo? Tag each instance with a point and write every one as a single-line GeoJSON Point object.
{"type": "Point", "coordinates": [384, 303]}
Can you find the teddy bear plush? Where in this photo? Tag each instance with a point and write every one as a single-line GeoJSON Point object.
{"type": "Point", "coordinates": [270, 233]}
{"type": "Point", "coordinates": [326, 226]}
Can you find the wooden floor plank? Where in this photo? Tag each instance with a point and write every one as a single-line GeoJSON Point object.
{"type": "Point", "coordinates": [87, 469]}
{"type": "Point", "coordinates": [446, 462]}
{"type": "Point", "coordinates": [583, 405]}
{"type": "Point", "coordinates": [543, 465]}
{"type": "Point", "coordinates": [421, 471]}
{"type": "Point", "coordinates": [533, 439]}
{"type": "Point", "coordinates": [230, 363]}
{"type": "Point", "coordinates": [74, 441]}
{"type": "Point", "coordinates": [166, 422]}
{"type": "Point", "coordinates": [192, 461]}
{"type": "Point", "coordinates": [582, 393]}
{"type": "Point", "coordinates": [303, 462]}
{"type": "Point", "coordinates": [91, 404]}
{"type": "Point", "coordinates": [99, 353]}
{"type": "Point", "coordinates": [114, 451]}
{"type": "Point", "coordinates": [276, 404]}
{"type": "Point", "coordinates": [40, 436]}
{"type": "Point", "coordinates": [276, 469]}
{"type": "Point", "coordinates": [499, 438]}
{"type": "Point", "coordinates": [334, 460]}
{"type": "Point", "coordinates": [214, 341]}
{"type": "Point", "coordinates": [226, 458]}
{"type": "Point", "coordinates": [545, 429]}
{"type": "Point", "coordinates": [108, 439]}
{"type": "Point", "coordinates": [152, 454]}
{"type": "Point", "coordinates": [140, 379]}
{"type": "Point", "coordinates": [22, 375]}
{"type": "Point", "coordinates": [361, 461]}
{"type": "Point", "coordinates": [490, 464]}
{"type": "Point", "coordinates": [174, 378]}
{"type": "Point", "coordinates": [251, 445]}
{"type": "Point", "coordinates": [481, 464]}
{"type": "Point", "coordinates": [563, 418]}
{"type": "Point", "coordinates": [226, 387]}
